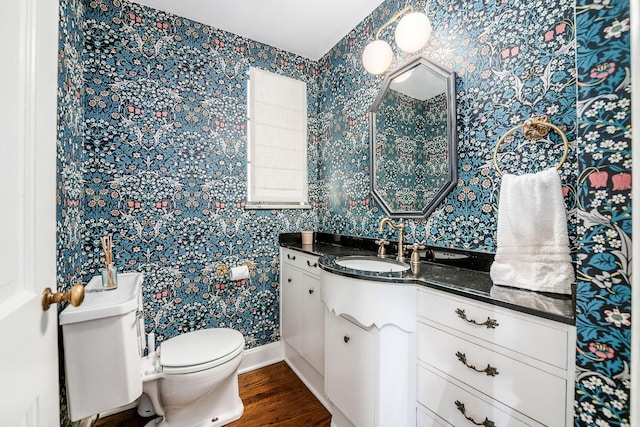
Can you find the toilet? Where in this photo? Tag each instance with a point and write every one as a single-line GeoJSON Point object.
{"type": "Point", "coordinates": [191, 379]}
{"type": "Point", "coordinates": [194, 379]}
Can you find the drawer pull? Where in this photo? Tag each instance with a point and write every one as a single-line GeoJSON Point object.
{"type": "Point", "coordinates": [292, 257]}
{"type": "Point", "coordinates": [489, 370]}
{"type": "Point", "coordinates": [489, 323]}
{"type": "Point", "coordinates": [346, 339]}
{"type": "Point", "coordinates": [289, 280]}
{"type": "Point", "coordinates": [314, 265]}
{"type": "Point", "coordinates": [310, 291]}
{"type": "Point", "coordinates": [485, 423]}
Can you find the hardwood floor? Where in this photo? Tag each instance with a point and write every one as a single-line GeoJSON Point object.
{"type": "Point", "coordinates": [129, 418]}
{"type": "Point", "coordinates": [272, 396]}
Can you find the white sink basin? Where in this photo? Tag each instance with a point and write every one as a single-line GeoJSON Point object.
{"type": "Point", "coordinates": [374, 264]}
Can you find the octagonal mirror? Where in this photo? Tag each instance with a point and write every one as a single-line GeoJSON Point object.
{"type": "Point", "coordinates": [413, 139]}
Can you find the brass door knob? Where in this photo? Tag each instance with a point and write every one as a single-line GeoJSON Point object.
{"type": "Point", "coordinates": [75, 297]}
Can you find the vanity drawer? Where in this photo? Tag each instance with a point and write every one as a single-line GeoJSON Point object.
{"type": "Point", "coordinates": [426, 418]}
{"type": "Point", "coordinates": [444, 398]}
{"type": "Point", "coordinates": [529, 390]}
{"type": "Point", "coordinates": [531, 336]}
{"type": "Point", "coordinates": [303, 261]}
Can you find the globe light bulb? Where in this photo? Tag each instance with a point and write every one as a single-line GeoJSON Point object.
{"type": "Point", "coordinates": [413, 32]}
{"type": "Point", "coordinates": [377, 57]}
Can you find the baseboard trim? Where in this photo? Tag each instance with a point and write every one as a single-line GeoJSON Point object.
{"type": "Point", "coordinates": [258, 357]}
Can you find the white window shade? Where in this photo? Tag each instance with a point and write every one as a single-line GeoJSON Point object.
{"type": "Point", "coordinates": [277, 161]}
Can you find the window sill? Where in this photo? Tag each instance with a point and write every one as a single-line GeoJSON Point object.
{"type": "Point", "coordinates": [254, 205]}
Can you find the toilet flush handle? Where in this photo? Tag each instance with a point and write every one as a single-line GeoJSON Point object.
{"type": "Point", "coordinates": [75, 297]}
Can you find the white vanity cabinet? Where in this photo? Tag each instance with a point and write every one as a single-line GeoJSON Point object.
{"type": "Point", "coordinates": [302, 316]}
{"type": "Point", "coordinates": [351, 360]}
{"type": "Point", "coordinates": [480, 363]}
{"type": "Point", "coordinates": [370, 351]}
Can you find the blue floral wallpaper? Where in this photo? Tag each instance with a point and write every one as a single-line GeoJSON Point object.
{"type": "Point", "coordinates": [69, 169]}
{"type": "Point", "coordinates": [152, 141]}
{"type": "Point", "coordinates": [165, 170]}
{"type": "Point", "coordinates": [513, 59]}
{"type": "Point", "coordinates": [603, 318]}
{"type": "Point", "coordinates": [70, 183]}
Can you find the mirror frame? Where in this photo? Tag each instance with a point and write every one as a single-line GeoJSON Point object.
{"type": "Point", "coordinates": [450, 81]}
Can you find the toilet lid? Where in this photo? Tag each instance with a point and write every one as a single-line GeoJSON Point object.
{"type": "Point", "coordinates": [199, 347]}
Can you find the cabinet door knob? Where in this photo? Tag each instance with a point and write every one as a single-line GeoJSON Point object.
{"type": "Point", "coordinates": [489, 323]}
{"type": "Point", "coordinates": [314, 265]}
{"type": "Point", "coordinates": [292, 257]}
{"type": "Point", "coordinates": [346, 338]}
{"type": "Point", "coordinates": [485, 423]}
{"type": "Point", "coordinates": [310, 291]}
{"type": "Point", "coordinates": [289, 280]}
{"type": "Point", "coordinates": [489, 370]}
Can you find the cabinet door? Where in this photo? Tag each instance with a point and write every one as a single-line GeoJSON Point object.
{"type": "Point", "coordinates": [350, 369]}
{"type": "Point", "coordinates": [291, 309]}
{"type": "Point", "coordinates": [312, 322]}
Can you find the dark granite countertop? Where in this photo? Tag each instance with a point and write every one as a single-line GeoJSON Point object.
{"type": "Point", "coordinates": [464, 273]}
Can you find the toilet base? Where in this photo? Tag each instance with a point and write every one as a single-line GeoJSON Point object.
{"type": "Point", "coordinates": [215, 422]}
{"type": "Point", "coordinates": [217, 408]}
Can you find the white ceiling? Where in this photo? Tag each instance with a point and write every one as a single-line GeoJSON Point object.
{"type": "Point", "coordinates": [309, 28]}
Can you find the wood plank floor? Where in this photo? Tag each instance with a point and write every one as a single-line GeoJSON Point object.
{"type": "Point", "coordinates": [272, 396]}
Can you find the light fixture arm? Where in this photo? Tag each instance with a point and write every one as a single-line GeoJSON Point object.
{"type": "Point", "coordinates": [393, 19]}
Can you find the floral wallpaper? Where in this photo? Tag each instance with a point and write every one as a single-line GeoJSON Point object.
{"type": "Point", "coordinates": [152, 140]}
{"type": "Point", "coordinates": [513, 59]}
{"type": "Point", "coordinates": [411, 150]}
{"type": "Point", "coordinates": [69, 170]}
{"type": "Point", "coordinates": [70, 185]}
{"type": "Point", "coordinates": [165, 170]}
{"type": "Point", "coordinates": [603, 318]}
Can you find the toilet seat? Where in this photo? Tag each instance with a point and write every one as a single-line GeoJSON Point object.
{"type": "Point", "coordinates": [199, 350]}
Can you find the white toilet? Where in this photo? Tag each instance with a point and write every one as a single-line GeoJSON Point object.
{"type": "Point", "coordinates": [192, 380]}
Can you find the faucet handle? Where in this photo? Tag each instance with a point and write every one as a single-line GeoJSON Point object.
{"type": "Point", "coordinates": [382, 251]}
{"type": "Point", "coordinates": [415, 255]}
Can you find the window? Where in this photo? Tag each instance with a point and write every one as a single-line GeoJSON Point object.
{"type": "Point", "coordinates": [277, 149]}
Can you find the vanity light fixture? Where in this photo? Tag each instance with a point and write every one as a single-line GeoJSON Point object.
{"type": "Point", "coordinates": [412, 33]}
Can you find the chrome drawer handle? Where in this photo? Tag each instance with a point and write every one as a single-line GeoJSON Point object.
{"type": "Point", "coordinates": [293, 257]}
{"type": "Point", "coordinates": [489, 370]}
{"type": "Point", "coordinates": [485, 423]}
{"type": "Point", "coordinates": [489, 323]}
{"type": "Point", "coordinates": [314, 265]}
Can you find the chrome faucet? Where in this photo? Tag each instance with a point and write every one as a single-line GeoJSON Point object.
{"type": "Point", "coordinates": [400, 227]}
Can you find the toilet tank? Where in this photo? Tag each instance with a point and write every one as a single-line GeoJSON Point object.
{"type": "Point", "coordinates": [102, 347]}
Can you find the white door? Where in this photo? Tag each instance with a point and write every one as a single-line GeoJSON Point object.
{"type": "Point", "coordinates": [28, 335]}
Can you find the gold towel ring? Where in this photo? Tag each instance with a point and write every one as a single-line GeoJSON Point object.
{"type": "Point", "coordinates": [534, 128]}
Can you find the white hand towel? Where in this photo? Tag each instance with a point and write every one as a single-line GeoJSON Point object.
{"type": "Point", "coordinates": [532, 239]}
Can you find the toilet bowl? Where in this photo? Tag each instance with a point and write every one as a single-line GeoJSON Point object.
{"type": "Point", "coordinates": [191, 380]}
